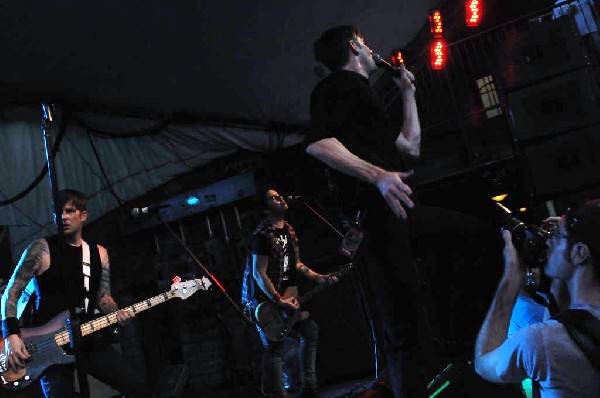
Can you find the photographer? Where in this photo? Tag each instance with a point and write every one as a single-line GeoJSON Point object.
{"type": "Point", "coordinates": [545, 351]}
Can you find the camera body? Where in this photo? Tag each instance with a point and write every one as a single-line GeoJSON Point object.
{"type": "Point", "coordinates": [529, 240]}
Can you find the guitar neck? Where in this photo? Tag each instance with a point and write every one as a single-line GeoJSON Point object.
{"type": "Point", "coordinates": [110, 319]}
{"type": "Point", "coordinates": [308, 295]}
{"type": "Point", "coordinates": [344, 269]}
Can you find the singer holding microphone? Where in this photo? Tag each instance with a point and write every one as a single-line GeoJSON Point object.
{"type": "Point", "coordinates": [353, 135]}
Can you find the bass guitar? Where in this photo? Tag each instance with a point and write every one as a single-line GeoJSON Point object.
{"type": "Point", "coordinates": [44, 343]}
{"type": "Point", "coordinates": [276, 322]}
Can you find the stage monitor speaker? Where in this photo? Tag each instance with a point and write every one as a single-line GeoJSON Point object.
{"type": "Point", "coordinates": [553, 106]}
{"type": "Point", "coordinates": [548, 48]}
{"type": "Point", "coordinates": [566, 163]}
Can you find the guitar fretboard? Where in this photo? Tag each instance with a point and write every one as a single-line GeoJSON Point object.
{"type": "Point", "coordinates": [343, 270]}
{"type": "Point", "coordinates": [110, 319]}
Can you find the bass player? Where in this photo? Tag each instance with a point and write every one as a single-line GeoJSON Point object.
{"type": "Point", "coordinates": [45, 260]}
{"type": "Point", "coordinates": [273, 267]}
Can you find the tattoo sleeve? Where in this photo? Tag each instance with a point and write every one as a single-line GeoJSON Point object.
{"type": "Point", "coordinates": [307, 272]}
{"type": "Point", "coordinates": [106, 302]}
{"type": "Point", "coordinates": [27, 267]}
{"type": "Point", "coordinates": [304, 270]}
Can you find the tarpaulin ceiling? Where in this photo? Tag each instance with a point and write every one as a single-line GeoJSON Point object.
{"type": "Point", "coordinates": [209, 77]}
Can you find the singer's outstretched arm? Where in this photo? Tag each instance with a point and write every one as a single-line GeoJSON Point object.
{"type": "Point", "coordinates": [390, 183]}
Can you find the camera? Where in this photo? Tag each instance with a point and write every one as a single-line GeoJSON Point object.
{"type": "Point", "coordinates": [529, 240]}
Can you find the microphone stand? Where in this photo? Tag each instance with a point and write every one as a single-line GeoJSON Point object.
{"type": "Point", "coordinates": [206, 271]}
{"type": "Point", "coordinates": [361, 291]}
{"type": "Point", "coordinates": [73, 323]}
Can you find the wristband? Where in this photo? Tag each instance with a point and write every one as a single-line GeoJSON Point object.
{"type": "Point", "coordinates": [10, 326]}
{"type": "Point", "coordinates": [276, 297]}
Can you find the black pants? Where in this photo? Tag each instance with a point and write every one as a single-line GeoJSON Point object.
{"type": "Point", "coordinates": [272, 362]}
{"type": "Point", "coordinates": [388, 259]}
{"type": "Point", "coordinates": [103, 362]}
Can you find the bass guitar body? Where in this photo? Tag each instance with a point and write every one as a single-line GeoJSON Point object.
{"type": "Point", "coordinates": [45, 343]}
{"type": "Point", "coordinates": [44, 351]}
{"type": "Point", "coordinates": [276, 322]}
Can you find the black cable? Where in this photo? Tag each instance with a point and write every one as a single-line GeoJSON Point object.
{"type": "Point", "coordinates": [109, 185]}
{"type": "Point", "coordinates": [152, 130]}
{"type": "Point", "coordinates": [22, 212]}
{"type": "Point", "coordinates": [38, 179]}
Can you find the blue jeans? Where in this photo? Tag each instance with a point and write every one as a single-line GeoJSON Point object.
{"type": "Point", "coordinates": [272, 363]}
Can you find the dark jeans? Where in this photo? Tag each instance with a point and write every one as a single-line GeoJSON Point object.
{"type": "Point", "coordinates": [272, 363]}
{"type": "Point", "coordinates": [104, 363]}
{"type": "Point", "coordinates": [388, 259]}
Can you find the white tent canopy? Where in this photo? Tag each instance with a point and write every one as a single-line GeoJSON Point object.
{"type": "Point", "coordinates": [96, 165]}
{"type": "Point", "coordinates": [222, 65]}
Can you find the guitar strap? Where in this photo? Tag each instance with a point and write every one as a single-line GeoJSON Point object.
{"type": "Point", "coordinates": [87, 271]}
{"type": "Point", "coordinates": [584, 329]}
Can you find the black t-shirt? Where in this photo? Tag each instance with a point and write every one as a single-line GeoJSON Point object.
{"type": "Point", "coordinates": [344, 105]}
{"type": "Point", "coordinates": [260, 245]}
{"type": "Point", "coordinates": [52, 298]}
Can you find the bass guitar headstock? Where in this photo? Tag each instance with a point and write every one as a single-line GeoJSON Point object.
{"type": "Point", "coordinates": [185, 289]}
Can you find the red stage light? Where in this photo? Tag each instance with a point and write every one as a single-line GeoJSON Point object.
{"type": "Point", "coordinates": [397, 57]}
{"type": "Point", "coordinates": [473, 12]}
{"type": "Point", "coordinates": [438, 53]}
{"type": "Point", "coordinates": [435, 23]}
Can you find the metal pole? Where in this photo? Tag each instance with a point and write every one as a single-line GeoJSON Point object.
{"type": "Point", "coordinates": [73, 324]}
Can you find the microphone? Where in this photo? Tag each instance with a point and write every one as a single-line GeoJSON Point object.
{"type": "Point", "coordinates": [293, 197]}
{"type": "Point", "coordinates": [138, 211]}
{"type": "Point", "coordinates": [379, 61]}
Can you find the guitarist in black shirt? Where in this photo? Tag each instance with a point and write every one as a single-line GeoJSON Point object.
{"type": "Point", "coordinates": [271, 273]}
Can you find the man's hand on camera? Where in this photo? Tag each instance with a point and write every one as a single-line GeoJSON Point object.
{"type": "Point", "coordinates": [550, 223]}
{"type": "Point", "coordinates": [512, 262]}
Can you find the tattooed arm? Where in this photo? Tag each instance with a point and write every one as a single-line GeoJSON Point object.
{"type": "Point", "coordinates": [106, 302]}
{"type": "Point", "coordinates": [34, 261]}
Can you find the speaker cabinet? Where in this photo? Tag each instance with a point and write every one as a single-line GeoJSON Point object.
{"type": "Point", "coordinates": [545, 49]}
{"type": "Point", "coordinates": [553, 106]}
{"type": "Point", "coordinates": [566, 163]}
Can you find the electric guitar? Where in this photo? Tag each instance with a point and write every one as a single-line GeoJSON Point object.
{"type": "Point", "coordinates": [276, 322]}
{"type": "Point", "coordinates": [44, 343]}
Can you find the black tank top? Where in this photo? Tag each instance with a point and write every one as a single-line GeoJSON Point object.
{"type": "Point", "coordinates": [51, 291]}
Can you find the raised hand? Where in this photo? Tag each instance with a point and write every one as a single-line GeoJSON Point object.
{"type": "Point", "coordinates": [512, 262]}
{"type": "Point", "coordinates": [406, 81]}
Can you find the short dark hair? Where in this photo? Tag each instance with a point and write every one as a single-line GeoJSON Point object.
{"type": "Point", "coordinates": [331, 49]}
{"type": "Point", "coordinates": [260, 198]}
{"type": "Point", "coordinates": [78, 199]}
{"type": "Point", "coordinates": [583, 224]}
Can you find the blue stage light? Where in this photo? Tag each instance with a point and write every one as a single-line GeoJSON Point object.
{"type": "Point", "coordinates": [192, 201]}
